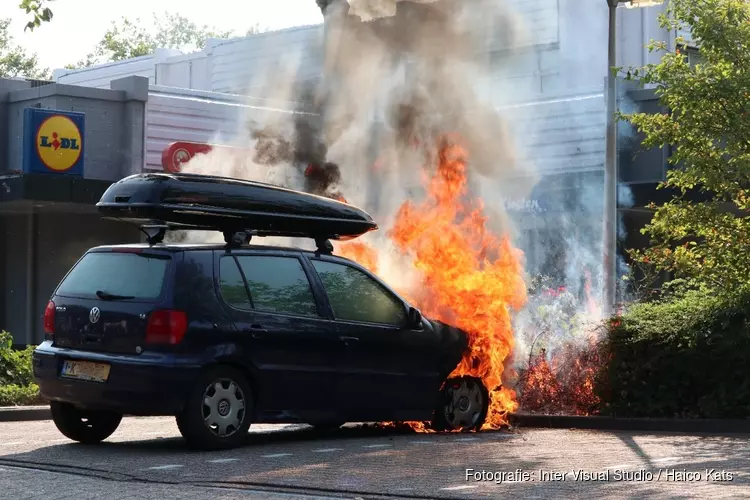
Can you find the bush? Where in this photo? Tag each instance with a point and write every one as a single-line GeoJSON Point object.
{"type": "Point", "coordinates": [687, 357]}
{"type": "Point", "coordinates": [17, 385]}
{"type": "Point", "coordinates": [15, 395]}
{"type": "Point", "coordinates": [15, 365]}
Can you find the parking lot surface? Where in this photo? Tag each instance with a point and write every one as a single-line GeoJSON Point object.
{"type": "Point", "coordinates": [147, 459]}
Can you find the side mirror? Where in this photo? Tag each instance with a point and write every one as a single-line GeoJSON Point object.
{"type": "Point", "coordinates": [415, 318]}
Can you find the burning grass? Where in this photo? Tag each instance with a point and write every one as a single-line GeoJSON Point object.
{"type": "Point", "coordinates": [564, 385]}
{"type": "Point", "coordinates": [559, 356]}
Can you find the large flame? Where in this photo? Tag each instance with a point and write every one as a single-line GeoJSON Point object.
{"type": "Point", "coordinates": [361, 253]}
{"type": "Point", "coordinates": [471, 278]}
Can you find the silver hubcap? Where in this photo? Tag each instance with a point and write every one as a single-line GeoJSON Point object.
{"type": "Point", "coordinates": [223, 407]}
{"type": "Point", "coordinates": [465, 404]}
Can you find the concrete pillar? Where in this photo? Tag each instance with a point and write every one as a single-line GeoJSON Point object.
{"type": "Point", "coordinates": [18, 276]}
{"type": "Point", "coordinates": [32, 228]}
{"type": "Point", "coordinates": [133, 146]}
{"type": "Point", "coordinates": [6, 87]}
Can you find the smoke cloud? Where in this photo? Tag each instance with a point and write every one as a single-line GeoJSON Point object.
{"type": "Point", "coordinates": [395, 75]}
{"type": "Point", "coordinates": [399, 74]}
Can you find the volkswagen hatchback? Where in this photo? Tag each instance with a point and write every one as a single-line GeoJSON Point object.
{"type": "Point", "coordinates": [223, 338]}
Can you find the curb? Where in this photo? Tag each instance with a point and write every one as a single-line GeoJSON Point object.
{"type": "Point", "coordinates": [518, 420]}
{"type": "Point", "coordinates": [24, 413]}
{"type": "Point", "coordinates": [709, 426]}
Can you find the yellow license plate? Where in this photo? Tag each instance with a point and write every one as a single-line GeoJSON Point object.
{"type": "Point", "coordinates": [96, 372]}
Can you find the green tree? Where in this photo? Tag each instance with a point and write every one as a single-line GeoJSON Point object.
{"type": "Point", "coordinates": [127, 38]}
{"type": "Point", "coordinates": [14, 60]}
{"type": "Point", "coordinates": [38, 11]}
{"type": "Point", "coordinates": [704, 244]}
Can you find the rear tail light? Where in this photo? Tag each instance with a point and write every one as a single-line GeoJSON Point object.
{"type": "Point", "coordinates": [166, 327]}
{"type": "Point", "coordinates": [49, 318]}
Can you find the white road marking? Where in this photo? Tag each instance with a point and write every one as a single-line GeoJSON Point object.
{"type": "Point", "coordinates": [223, 460]}
{"type": "Point", "coordinates": [276, 455]}
{"type": "Point", "coordinates": [166, 467]}
{"type": "Point", "coordinates": [464, 440]}
{"type": "Point", "coordinates": [377, 446]}
{"type": "Point", "coordinates": [14, 443]}
{"type": "Point", "coordinates": [327, 450]}
{"type": "Point", "coordinates": [456, 488]}
{"type": "Point", "coordinates": [420, 442]}
{"type": "Point", "coordinates": [668, 459]}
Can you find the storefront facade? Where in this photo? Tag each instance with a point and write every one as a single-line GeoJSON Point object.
{"type": "Point", "coordinates": [62, 147]}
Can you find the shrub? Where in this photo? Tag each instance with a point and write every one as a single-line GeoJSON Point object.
{"type": "Point", "coordinates": [17, 385]}
{"type": "Point", "coordinates": [15, 365]}
{"type": "Point", "coordinates": [687, 357]}
{"type": "Point", "coordinates": [13, 395]}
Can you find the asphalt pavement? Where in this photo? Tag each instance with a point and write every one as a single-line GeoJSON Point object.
{"type": "Point", "coordinates": [146, 459]}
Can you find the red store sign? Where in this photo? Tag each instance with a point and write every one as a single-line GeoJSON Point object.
{"type": "Point", "coordinates": [178, 153]}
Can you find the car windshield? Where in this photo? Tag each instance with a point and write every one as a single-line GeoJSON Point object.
{"type": "Point", "coordinates": [116, 275]}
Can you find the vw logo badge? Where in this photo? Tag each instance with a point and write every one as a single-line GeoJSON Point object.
{"type": "Point", "coordinates": [94, 315]}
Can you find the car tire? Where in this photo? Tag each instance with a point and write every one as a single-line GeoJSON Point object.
{"type": "Point", "coordinates": [84, 426]}
{"type": "Point", "coordinates": [218, 411]}
{"type": "Point", "coordinates": [462, 406]}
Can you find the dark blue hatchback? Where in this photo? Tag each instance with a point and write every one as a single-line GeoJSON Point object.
{"type": "Point", "coordinates": [222, 338]}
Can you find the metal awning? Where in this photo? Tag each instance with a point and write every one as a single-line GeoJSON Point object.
{"type": "Point", "coordinates": [20, 191]}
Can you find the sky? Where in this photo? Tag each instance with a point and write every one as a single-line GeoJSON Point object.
{"type": "Point", "coordinates": [78, 25]}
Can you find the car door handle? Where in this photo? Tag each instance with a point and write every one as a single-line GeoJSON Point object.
{"type": "Point", "coordinates": [257, 331]}
{"type": "Point", "coordinates": [349, 340]}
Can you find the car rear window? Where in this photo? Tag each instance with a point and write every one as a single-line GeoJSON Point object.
{"type": "Point", "coordinates": [140, 276]}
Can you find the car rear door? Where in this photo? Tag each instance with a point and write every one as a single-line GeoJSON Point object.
{"type": "Point", "coordinates": [387, 370]}
{"type": "Point", "coordinates": [103, 302]}
{"type": "Point", "coordinates": [289, 340]}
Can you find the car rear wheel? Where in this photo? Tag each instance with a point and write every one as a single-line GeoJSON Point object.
{"type": "Point", "coordinates": [84, 426]}
{"type": "Point", "coordinates": [462, 405]}
{"type": "Point", "coordinates": [218, 411]}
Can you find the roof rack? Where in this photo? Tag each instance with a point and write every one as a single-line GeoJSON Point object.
{"type": "Point", "coordinates": [233, 238]}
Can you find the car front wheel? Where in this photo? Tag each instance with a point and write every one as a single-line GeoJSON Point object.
{"type": "Point", "coordinates": [218, 411]}
{"type": "Point", "coordinates": [84, 426]}
{"type": "Point", "coordinates": [462, 405]}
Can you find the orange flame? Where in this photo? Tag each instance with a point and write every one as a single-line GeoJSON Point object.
{"type": "Point", "coordinates": [592, 306]}
{"type": "Point", "coordinates": [471, 278]}
{"type": "Point", "coordinates": [539, 388]}
{"type": "Point", "coordinates": [361, 253]}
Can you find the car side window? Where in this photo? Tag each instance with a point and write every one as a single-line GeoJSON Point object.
{"type": "Point", "coordinates": [355, 296]}
{"type": "Point", "coordinates": [232, 285]}
{"type": "Point", "coordinates": [278, 284]}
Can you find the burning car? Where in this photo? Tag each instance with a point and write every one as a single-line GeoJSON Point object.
{"type": "Point", "coordinates": [222, 336]}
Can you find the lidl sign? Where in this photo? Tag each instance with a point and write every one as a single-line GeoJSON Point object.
{"type": "Point", "coordinates": [53, 141]}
